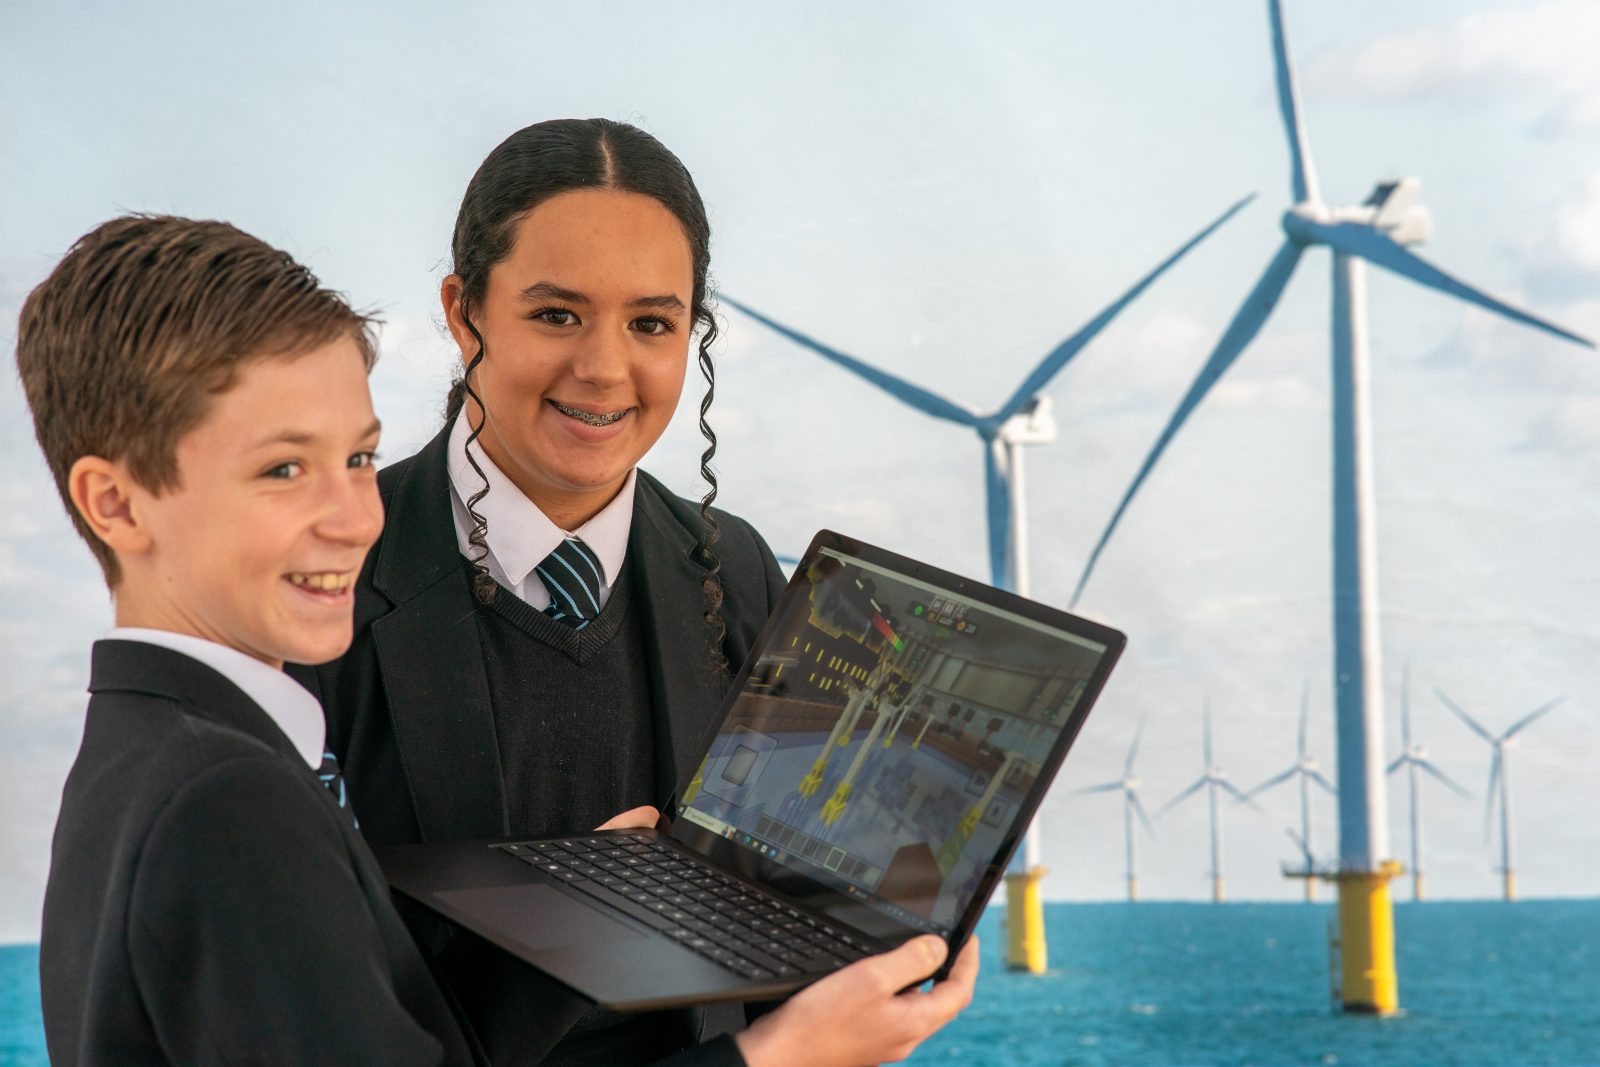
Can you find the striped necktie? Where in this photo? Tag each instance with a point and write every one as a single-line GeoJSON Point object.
{"type": "Point", "coordinates": [330, 776]}
{"type": "Point", "coordinates": [572, 575]}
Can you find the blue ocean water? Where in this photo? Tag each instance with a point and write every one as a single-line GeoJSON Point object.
{"type": "Point", "coordinates": [1201, 985]}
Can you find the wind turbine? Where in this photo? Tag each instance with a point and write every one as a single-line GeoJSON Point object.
{"type": "Point", "coordinates": [1376, 231]}
{"type": "Point", "coordinates": [1128, 786]}
{"type": "Point", "coordinates": [1024, 419]}
{"type": "Point", "coordinates": [1413, 757]}
{"type": "Point", "coordinates": [1500, 774]}
{"type": "Point", "coordinates": [1211, 781]}
{"type": "Point", "coordinates": [1306, 769]}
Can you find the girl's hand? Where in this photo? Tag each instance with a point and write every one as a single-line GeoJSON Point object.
{"type": "Point", "coordinates": [641, 818]}
{"type": "Point", "coordinates": [859, 1016]}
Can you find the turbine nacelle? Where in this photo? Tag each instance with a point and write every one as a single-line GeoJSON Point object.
{"type": "Point", "coordinates": [1391, 209]}
{"type": "Point", "coordinates": [1032, 425]}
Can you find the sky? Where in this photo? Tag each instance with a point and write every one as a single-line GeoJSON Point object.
{"type": "Point", "coordinates": [948, 190]}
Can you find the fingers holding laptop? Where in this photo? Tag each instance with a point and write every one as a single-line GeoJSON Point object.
{"type": "Point", "coordinates": [859, 1014]}
{"type": "Point", "coordinates": [641, 818]}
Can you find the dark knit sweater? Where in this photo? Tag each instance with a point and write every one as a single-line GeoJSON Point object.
{"type": "Point", "coordinates": [577, 737]}
{"type": "Point", "coordinates": [571, 712]}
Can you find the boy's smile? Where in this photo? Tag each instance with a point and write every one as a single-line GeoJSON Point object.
{"type": "Point", "coordinates": [259, 545]}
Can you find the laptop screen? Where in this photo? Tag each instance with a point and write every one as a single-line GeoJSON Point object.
{"type": "Point", "coordinates": [885, 741]}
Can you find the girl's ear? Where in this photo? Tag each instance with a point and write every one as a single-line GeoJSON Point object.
{"type": "Point", "coordinates": [104, 494]}
{"type": "Point", "coordinates": [450, 294]}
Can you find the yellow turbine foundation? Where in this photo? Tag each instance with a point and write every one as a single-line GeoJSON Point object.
{"type": "Point", "coordinates": [1511, 885]}
{"type": "Point", "coordinates": [1366, 941]}
{"type": "Point", "coordinates": [1025, 947]}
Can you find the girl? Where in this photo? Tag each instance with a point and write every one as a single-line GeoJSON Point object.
{"type": "Point", "coordinates": [543, 633]}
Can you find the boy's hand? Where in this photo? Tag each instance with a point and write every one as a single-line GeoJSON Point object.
{"type": "Point", "coordinates": [859, 1016]}
{"type": "Point", "coordinates": [641, 818]}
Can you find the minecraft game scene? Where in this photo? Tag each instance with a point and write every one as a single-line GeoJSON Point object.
{"type": "Point", "coordinates": [884, 741]}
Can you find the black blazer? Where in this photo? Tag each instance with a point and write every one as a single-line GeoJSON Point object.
{"type": "Point", "coordinates": [208, 900]}
{"type": "Point", "coordinates": [410, 720]}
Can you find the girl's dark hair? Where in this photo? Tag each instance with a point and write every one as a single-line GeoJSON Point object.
{"type": "Point", "coordinates": [528, 168]}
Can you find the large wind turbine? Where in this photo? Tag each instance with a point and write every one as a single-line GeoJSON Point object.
{"type": "Point", "coordinates": [1307, 770]}
{"type": "Point", "coordinates": [1211, 781]}
{"type": "Point", "coordinates": [1128, 786]}
{"type": "Point", "coordinates": [1377, 231]}
{"type": "Point", "coordinates": [1024, 419]}
{"type": "Point", "coordinates": [1413, 757]}
{"type": "Point", "coordinates": [1500, 774]}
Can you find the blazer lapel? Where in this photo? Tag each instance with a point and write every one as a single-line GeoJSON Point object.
{"type": "Point", "coordinates": [432, 660]}
{"type": "Point", "coordinates": [685, 692]}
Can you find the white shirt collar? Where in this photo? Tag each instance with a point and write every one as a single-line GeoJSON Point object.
{"type": "Point", "coordinates": [285, 701]}
{"type": "Point", "coordinates": [520, 536]}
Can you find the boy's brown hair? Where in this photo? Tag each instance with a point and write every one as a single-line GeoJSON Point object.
{"type": "Point", "coordinates": [146, 320]}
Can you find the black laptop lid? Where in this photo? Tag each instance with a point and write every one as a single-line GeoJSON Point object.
{"type": "Point", "coordinates": [890, 738]}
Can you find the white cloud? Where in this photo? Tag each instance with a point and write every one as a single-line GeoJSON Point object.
{"type": "Point", "coordinates": [1549, 47]}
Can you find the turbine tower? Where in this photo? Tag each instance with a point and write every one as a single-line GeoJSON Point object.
{"type": "Point", "coordinates": [1377, 231]}
{"type": "Point", "coordinates": [1500, 774]}
{"type": "Point", "coordinates": [1024, 419]}
{"type": "Point", "coordinates": [1306, 769]}
{"type": "Point", "coordinates": [1128, 786]}
{"type": "Point", "coordinates": [1213, 779]}
{"type": "Point", "coordinates": [1413, 757]}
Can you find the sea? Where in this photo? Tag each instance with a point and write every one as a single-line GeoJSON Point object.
{"type": "Point", "coordinates": [1220, 985]}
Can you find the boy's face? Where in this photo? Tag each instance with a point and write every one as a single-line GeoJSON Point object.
{"type": "Point", "coordinates": [260, 543]}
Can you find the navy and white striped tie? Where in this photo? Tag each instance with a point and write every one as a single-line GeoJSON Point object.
{"type": "Point", "coordinates": [330, 776]}
{"type": "Point", "coordinates": [572, 574]}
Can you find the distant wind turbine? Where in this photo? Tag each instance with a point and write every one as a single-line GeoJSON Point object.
{"type": "Point", "coordinates": [1500, 774]}
{"type": "Point", "coordinates": [1306, 769]}
{"type": "Point", "coordinates": [1024, 419]}
{"type": "Point", "coordinates": [1213, 779]}
{"type": "Point", "coordinates": [1413, 757]}
{"type": "Point", "coordinates": [1128, 786]}
{"type": "Point", "coordinates": [1376, 231]}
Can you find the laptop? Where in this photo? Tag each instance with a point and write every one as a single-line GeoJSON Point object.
{"type": "Point", "coordinates": [879, 756]}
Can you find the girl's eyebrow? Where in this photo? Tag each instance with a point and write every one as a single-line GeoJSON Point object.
{"type": "Point", "coordinates": [551, 291]}
{"type": "Point", "coordinates": [539, 292]}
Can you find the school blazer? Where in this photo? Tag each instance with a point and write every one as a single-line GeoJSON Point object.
{"type": "Point", "coordinates": [409, 715]}
{"type": "Point", "coordinates": [209, 902]}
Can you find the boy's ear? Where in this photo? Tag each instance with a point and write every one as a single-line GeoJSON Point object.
{"type": "Point", "coordinates": [450, 299]}
{"type": "Point", "coordinates": [103, 493]}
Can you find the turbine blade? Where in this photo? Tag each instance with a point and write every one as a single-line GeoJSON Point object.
{"type": "Point", "coordinates": [1270, 782]}
{"type": "Point", "coordinates": [1062, 354]}
{"type": "Point", "coordinates": [1464, 717]}
{"type": "Point", "coordinates": [1247, 322]}
{"type": "Point", "coordinates": [1209, 760]}
{"type": "Point", "coordinates": [1399, 761]}
{"type": "Point", "coordinates": [1527, 720]}
{"type": "Point", "coordinates": [1379, 249]}
{"type": "Point", "coordinates": [1234, 791]}
{"type": "Point", "coordinates": [1133, 749]}
{"type": "Point", "coordinates": [1107, 788]}
{"type": "Point", "coordinates": [1328, 787]}
{"type": "Point", "coordinates": [1138, 809]}
{"type": "Point", "coordinates": [1181, 797]}
{"type": "Point", "coordinates": [915, 395]}
{"type": "Point", "coordinates": [1303, 176]}
{"type": "Point", "coordinates": [997, 503]}
{"type": "Point", "coordinates": [1300, 843]}
{"type": "Point", "coordinates": [1444, 778]}
{"type": "Point", "coordinates": [1305, 712]}
{"type": "Point", "coordinates": [1405, 708]}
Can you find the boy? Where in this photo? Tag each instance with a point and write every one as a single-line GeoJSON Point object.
{"type": "Point", "coordinates": [203, 406]}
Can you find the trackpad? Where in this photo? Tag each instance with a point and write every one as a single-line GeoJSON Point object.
{"type": "Point", "coordinates": [536, 916]}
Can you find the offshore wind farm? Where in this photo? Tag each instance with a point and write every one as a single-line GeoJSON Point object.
{"type": "Point", "coordinates": [937, 197]}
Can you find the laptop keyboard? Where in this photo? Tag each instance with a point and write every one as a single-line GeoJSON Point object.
{"type": "Point", "coordinates": [731, 923]}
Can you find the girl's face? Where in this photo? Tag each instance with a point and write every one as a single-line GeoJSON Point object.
{"type": "Point", "coordinates": [586, 330]}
